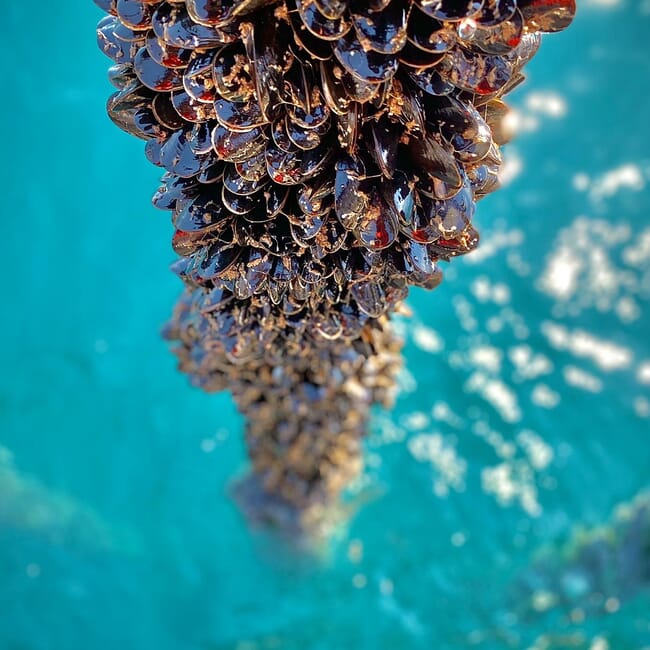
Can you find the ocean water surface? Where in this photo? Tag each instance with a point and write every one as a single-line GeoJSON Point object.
{"type": "Point", "coordinates": [506, 501]}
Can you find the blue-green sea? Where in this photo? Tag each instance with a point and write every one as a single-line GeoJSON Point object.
{"type": "Point", "coordinates": [505, 498]}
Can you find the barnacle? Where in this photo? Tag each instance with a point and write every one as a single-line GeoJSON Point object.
{"type": "Point", "coordinates": [320, 157]}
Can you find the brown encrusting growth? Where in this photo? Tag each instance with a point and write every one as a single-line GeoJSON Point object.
{"type": "Point", "coordinates": [321, 156]}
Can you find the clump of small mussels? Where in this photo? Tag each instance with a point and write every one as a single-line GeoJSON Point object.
{"type": "Point", "coordinates": [320, 155]}
{"type": "Point", "coordinates": [306, 406]}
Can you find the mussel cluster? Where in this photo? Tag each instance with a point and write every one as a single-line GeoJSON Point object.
{"type": "Point", "coordinates": [320, 157]}
{"type": "Point", "coordinates": [306, 406]}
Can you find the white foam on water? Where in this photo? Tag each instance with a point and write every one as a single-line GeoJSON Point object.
{"type": "Point", "coordinates": [643, 373]}
{"type": "Point", "coordinates": [545, 396]}
{"type": "Point", "coordinates": [637, 254]}
{"type": "Point", "coordinates": [628, 176]}
{"type": "Point", "coordinates": [442, 412]}
{"type": "Point", "coordinates": [464, 311]}
{"type": "Point", "coordinates": [582, 379]}
{"type": "Point", "coordinates": [642, 407]}
{"type": "Point", "coordinates": [539, 453]}
{"type": "Point", "coordinates": [414, 421]}
{"type": "Point", "coordinates": [485, 291]}
{"type": "Point", "coordinates": [593, 265]}
{"type": "Point", "coordinates": [547, 103]}
{"type": "Point", "coordinates": [512, 481]}
{"type": "Point", "coordinates": [497, 393]}
{"type": "Point", "coordinates": [486, 357]}
{"type": "Point", "coordinates": [528, 364]}
{"type": "Point", "coordinates": [450, 468]}
{"type": "Point", "coordinates": [581, 182]}
{"type": "Point", "coordinates": [605, 354]}
{"type": "Point", "coordinates": [427, 339]}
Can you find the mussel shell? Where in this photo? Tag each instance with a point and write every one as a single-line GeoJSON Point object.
{"type": "Point", "coordinates": [429, 154]}
{"type": "Point", "coordinates": [291, 169]}
{"type": "Point", "coordinates": [126, 106]}
{"type": "Point", "coordinates": [332, 9]}
{"type": "Point", "coordinates": [423, 227]}
{"type": "Point", "coordinates": [431, 82]}
{"type": "Point", "coordinates": [329, 239]}
{"type": "Point", "coordinates": [409, 99]}
{"type": "Point", "coordinates": [109, 6]}
{"type": "Point", "coordinates": [301, 137]}
{"type": "Point", "coordinates": [314, 46]}
{"type": "Point", "coordinates": [155, 76]}
{"type": "Point", "coordinates": [153, 151]}
{"type": "Point", "coordinates": [135, 13]}
{"type": "Point", "coordinates": [269, 59]}
{"type": "Point", "coordinates": [399, 192]}
{"type": "Point", "coordinates": [253, 169]}
{"type": "Point", "coordinates": [238, 146]}
{"type": "Point", "coordinates": [167, 55]}
{"type": "Point", "coordinates": [174, 26]}
{"type": "Point", "coordinates": [165, 112]}
{"type": "Point", "coordinates": [231, 74]}
{"type": "Point", "coordinates": [239, 116]}
{"type": "Point", "coordinates": [306, 228]}
{"type": "Point", "coordinates": [382, 31]}
{"type": "Point", "coordinates": [316, 196]}
{"type": "Point", "coordinates": [177, 156]}
{"type": "Point", "coordinates": [121, 75]}
{"type": "Point", "coordinates": [316, 118]}
{"type": "Point", "coordinates": [348, 128]}
{"type": "Point", "coordinates": [174, 189]}
{"type": "Point", "coordinates": [357, 90]}
{"type": "Point", "coordinates": [429, 34]}
{"type": "Point", "coordinates": [494, 12]}
{"type": "Point", "coordinates": [197, 77]}
{"type": "Point", "coordinates": [211, 171]}
{"type": "Point", "coordinates": [350, 202]}
{"type": "Point", "coordinates": [455, 214]}
{"type": "Point", "coordinates": [464, 243]}
{"type": "Point", "coordinates": [548, 16]}
{"type": "Point", "coordinates": [333, 90]}
{"type": "Point", "coordinates": [190, 243]}
{"type": "Point", "coordinates": [502, 38]}
{"type": "Point", "coordinates": [241, 204]}
{"type": "Point", "coordinates": [205, 212]}
{"type": "Point", "coordinates": [384, 139]}
{"type": "Point", "coordinates": [200, 137]}
{"type": "Point", "coordinates": [377, 227]}
{"type": "Point", "coordinates": [239, 185]}
{"type": "Point", "coordinates": [192, 110]}
{"type": "Point", "coordinates": [451, 10]}
{"type": "Point", "coordinates": [415, 57]}
{"type": "Point", "coordinates": [258, 267]}
{"type": "Point", "coordinates": [118, 50]}
{"type": "Point", "coordinates": [210, 12]}
{"type": "Point", "coordinates": [463, 127]}
{"type": "Point", "coordinates": [420, 256]}
{"type": "Point", "coordinates": [217, 260]}
{"type": "Point", "coordinates": [483, 74]}
{"type": "Point", "coordinates": [368, 66]}
{"type": "Point", "coordinates": [370, 298]}
{"type": "Point", "coordinates": [319, 25]}
{"type": "Point", "coordinates": [283, 167]}
{"type": "Point", "coordinates": [273, 237]}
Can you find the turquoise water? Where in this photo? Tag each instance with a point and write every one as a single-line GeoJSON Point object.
{"type": "Point", "coordinates": [505, 500]}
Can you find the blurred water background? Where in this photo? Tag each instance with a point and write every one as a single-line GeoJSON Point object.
{"type": "Point", "coordinates": [505, 500]}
